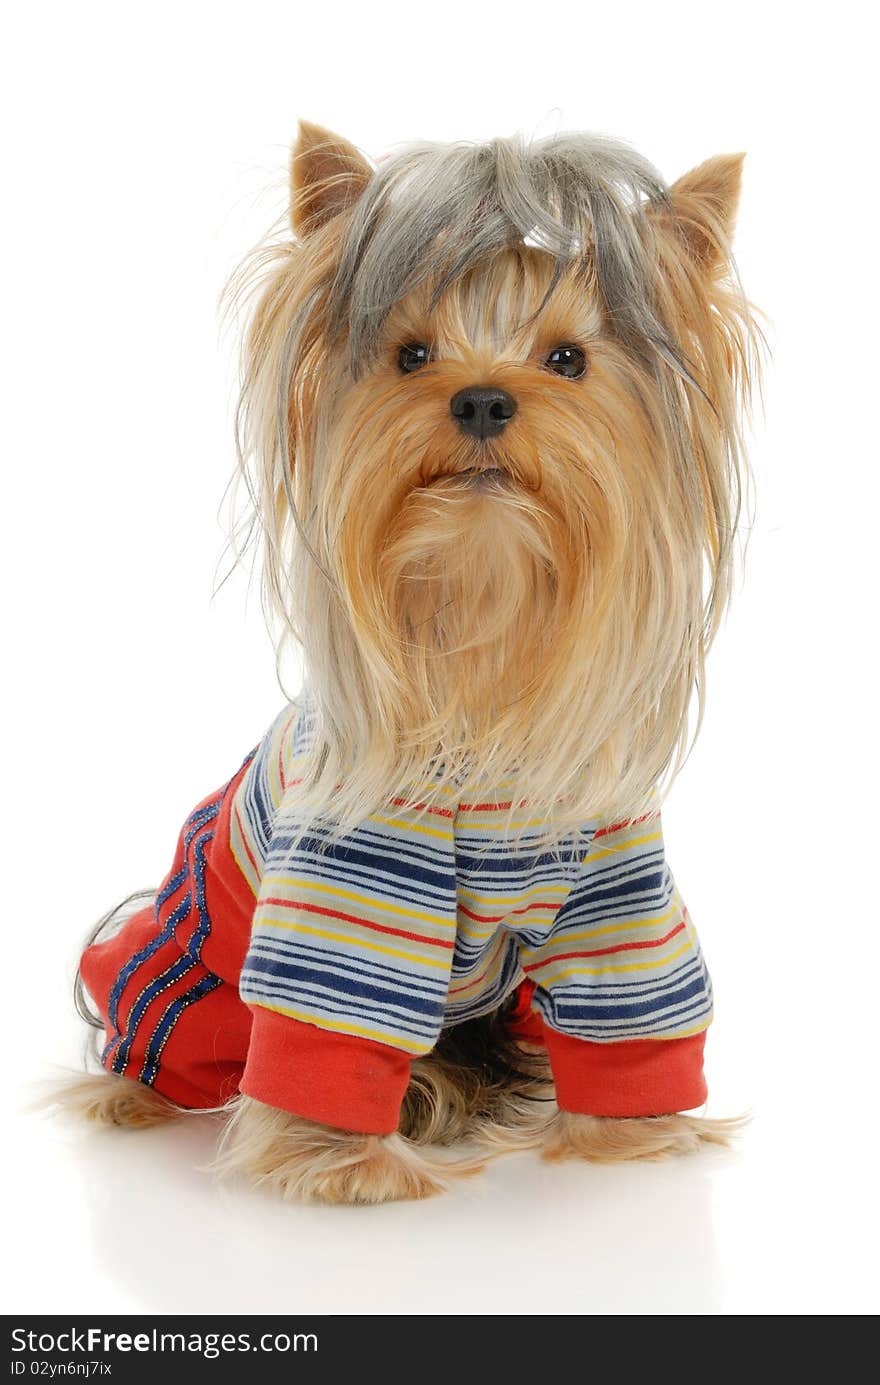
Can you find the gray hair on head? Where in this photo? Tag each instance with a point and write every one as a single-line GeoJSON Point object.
{"type": "Point", "coordinates": [435, 212]}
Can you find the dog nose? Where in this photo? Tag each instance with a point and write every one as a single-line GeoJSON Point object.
{"type": "Point", "coordinates": [482, 412]}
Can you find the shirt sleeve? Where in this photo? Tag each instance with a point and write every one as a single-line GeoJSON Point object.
{"type": "Point", "coordinates": [348, 966]}
{"type": "Point", "coordinates": [620, 982]}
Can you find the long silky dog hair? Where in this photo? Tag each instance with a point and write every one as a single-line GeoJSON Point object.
{"type": "Point", "coordinates": [561, 629]}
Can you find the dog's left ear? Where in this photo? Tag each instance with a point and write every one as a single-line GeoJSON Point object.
{"type": "Point", "coordinates": [327, 175]}
{"type": "Point", "coordinates": [704, 204]}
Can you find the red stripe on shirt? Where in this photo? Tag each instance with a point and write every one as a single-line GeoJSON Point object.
{"type": "Point", "coordinates": [473, 980]}
{"type": "Point", "coordinates": [498, 918]}
{"type": "Point", "coordinates": [608, 951]}
{"type": "Point", "coordinates": [627, 822]}
{"type": "Point", "coordinates": [419, 807]}
{"type": "Point", "coordinates": [364, 923]}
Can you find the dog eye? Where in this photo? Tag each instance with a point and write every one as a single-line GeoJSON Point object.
{"type": "Point", "coordinates": [412, 357]}
{"type": "Point", "coordinates": [569, 361]}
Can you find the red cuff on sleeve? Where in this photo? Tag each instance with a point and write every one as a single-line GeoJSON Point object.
{"type": "Point", "coordinates": [633, 1077]}
{"type": "Point", "coordinates": [340, 1080]}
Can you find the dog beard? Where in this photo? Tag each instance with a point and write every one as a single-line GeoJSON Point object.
{"type": "Point", "coordinates": [469, 578]}
{"type": "Point", "coordinates": [484, 623]}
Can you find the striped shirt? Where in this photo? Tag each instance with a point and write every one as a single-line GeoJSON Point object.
{"type": "Point", "coordinates": [417, 919]}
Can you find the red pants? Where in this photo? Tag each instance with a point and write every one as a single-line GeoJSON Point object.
{"type": "Point", "coordinates": [166, 985]}
{"type": "Point", "coordinates": [174, 1024]}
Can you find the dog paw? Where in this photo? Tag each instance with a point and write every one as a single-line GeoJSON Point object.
{"type": "Point", "coordinates": [303, 1161]}
{"type": "Point", "coordinates": [605, 1140]}
{"type": "Point", "coordinates": [374, 1169]}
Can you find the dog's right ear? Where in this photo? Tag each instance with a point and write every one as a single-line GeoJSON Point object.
{"type": "Point", "coordinates": [704, 204]}
{"type": "Point", "coordinates": [327, 175]}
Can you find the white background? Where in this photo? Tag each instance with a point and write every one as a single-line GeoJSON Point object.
{"type": "Point", "coordinates": [144, 152]}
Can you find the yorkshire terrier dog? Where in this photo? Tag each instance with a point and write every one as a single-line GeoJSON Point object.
{"type": "Point", "coordinates": [491, 422]}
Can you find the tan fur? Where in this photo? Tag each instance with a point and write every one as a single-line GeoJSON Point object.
{"type": "Point", "coordinates": [704, 203]}
{"type": "Point", "coordinates": [557, 620]}
{"type": "Point", "coordinates": [109, 1100]}
{"type": "Point", "coordinates": [447, 1103]}
{"type": "Point", "coordinates": [327, 174]}
{"type": "Point", "coordinates": [307, 1162]}
{"type": "Point", "coordinates": [603, 1140]}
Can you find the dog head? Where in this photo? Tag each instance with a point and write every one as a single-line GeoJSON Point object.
{"type": "Point", "coordinates": [491, 413]}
